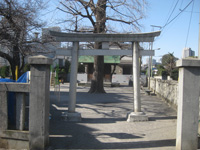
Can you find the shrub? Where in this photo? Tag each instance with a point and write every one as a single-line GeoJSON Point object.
{"type": "Point", "coordinates": [26, 68]}
{"type": "Point", "coordinates": [4, 71]}
{"type": "Point", "coordinates": [175, 74]}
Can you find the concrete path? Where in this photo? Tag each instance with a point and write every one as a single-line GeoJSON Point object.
{"type": "Point", "coordinates": [104, 123]}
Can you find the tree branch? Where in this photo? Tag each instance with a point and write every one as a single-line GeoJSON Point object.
{"type": "Point", "coordinates": [6, 56]}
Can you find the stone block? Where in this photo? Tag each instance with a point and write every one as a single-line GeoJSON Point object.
{"type": "Point", "coordinates": [137, 117]}
{"type": "Point", "coordinates": [191, 62]}
{"type": "Point", "coordinates": [67, 116]}
{"type": "Point", "coordinates": [40, 60]}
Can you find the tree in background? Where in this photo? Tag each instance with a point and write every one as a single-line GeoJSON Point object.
{"type": "Point", "coordinates": [26, 68]}
{"type": "Point", "coordinates": [175, 74]}
{"type": "Point", "coordinates": [17, 19]}
{"type": "Point", "coordinates": [169, 63]}
{"type": "Point", "coordinates": [161, 70]}
{"type": "Point", "coordinates": [100, 14]}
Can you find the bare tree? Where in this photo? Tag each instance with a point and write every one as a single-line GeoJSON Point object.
{"type": "Point", "coordinates": [17, 20]}
{"type": "Point", "coordinates": [100, 14]}
{"type": "Point", "coordinates": [169, 62]}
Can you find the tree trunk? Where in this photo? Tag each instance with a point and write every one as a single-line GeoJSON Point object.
{"type": "Point", "coordinates": [98, 74]}
{"type": "Point", "coordinates": [113, 71]}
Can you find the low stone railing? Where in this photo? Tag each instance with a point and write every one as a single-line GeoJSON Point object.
{"type": "Point", "coordinates": [165, 89]}
{"type": "Point", "coordinates": [37, 137]}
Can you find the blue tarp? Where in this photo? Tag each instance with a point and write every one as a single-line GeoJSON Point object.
{"type": "Point", "coordinates": [6, 80]}
{"type": "Point", "coordinates": [24, 78]}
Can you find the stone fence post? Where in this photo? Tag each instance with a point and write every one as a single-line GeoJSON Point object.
{"type": "Point", "coordinates": [3, 113]}
{"type": "Point", "coordinates": [188, 104]}
{"type": "Point", "coordinates": [39, 102]}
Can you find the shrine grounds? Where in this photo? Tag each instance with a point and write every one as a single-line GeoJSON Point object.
{"type": "Point", "coordinates": [104, 124]}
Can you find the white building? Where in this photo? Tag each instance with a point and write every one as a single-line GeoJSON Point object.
{"type": "Point", "coordinates": [53, 46]}
{"type": "Point", "coordinates": [187, 52]}
{"type": "Point", "coordinates": [153, 61]}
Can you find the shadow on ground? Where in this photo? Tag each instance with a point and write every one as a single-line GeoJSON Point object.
{"type": "Point", "coordinates": [67, 135]}
{"type": "Point", "coordinates": [104, 110]}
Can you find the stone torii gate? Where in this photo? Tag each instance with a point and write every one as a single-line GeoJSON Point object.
{"type": "Point", "coordinates": [137, 114]}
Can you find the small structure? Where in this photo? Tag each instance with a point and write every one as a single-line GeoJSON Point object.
{"type": "Point", "coordinates": [135, 52]}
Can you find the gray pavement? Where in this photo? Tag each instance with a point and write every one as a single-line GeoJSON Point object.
{"type": "Point", "coordinates": [104, 125]}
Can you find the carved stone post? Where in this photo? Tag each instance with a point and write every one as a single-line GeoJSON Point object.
{"type": "Point", "coordinates": [39, 102]}
{"type": "Point", "coordinates": [188, 104]}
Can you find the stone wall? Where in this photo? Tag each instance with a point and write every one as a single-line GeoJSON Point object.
{"type": "Point", "coordinates": [166, 89]}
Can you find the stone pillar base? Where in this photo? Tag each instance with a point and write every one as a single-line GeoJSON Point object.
{"type": "Point", "coordinates": [71, 116]}
{"type": "Point", "coordinates": [137, 117]}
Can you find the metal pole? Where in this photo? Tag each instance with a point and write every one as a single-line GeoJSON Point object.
{"type": "Point", "coordinates": [149, 71]}
{"type": "Point", "coordinates": [199, 36]}
{"type": "Point", "coordinates": [150, 65]}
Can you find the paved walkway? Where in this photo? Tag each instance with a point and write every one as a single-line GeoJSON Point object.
{"type": "Point", "coordinates": [104, 123]}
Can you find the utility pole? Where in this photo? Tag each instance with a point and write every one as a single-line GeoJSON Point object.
{"type": "Point", "coordinates": [150, 65]}
{"type": "Point", "coordinates": [199, 36]}
{"type": "Point", "coordinates": [150, 57]}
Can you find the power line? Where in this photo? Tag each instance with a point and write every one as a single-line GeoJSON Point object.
{"type": "Point", "coordinates": [197, 12]}
{"type": "Point", "coordinates": [189, 25]}
{"type": "Point", "coordinates": [181, 4]}
{"type": "Point", "coordinates": [178, 14]}
{"type": "Point", "coordinates": [172, 12]}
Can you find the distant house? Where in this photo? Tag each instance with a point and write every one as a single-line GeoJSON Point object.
{"type": "Point", "coordinates": [109, 64]}
{"type": "Point", "coordinates": [113, 65]}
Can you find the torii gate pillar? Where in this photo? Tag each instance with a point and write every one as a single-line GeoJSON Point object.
{"type": "Point", "coordinates": [71, 114]}
{"type": "Point", "coordinates": [137, 114]}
